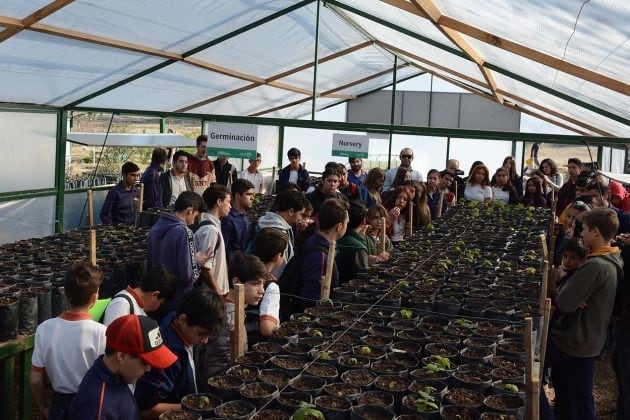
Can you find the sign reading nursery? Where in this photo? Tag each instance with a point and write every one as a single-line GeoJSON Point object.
{"type": "Point", "coordinates": [350, 145]}
{"type": "Point", "coordinates": [232, 140]}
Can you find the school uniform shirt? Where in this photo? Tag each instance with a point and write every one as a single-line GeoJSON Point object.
{"type": "Point", "coordinates": [103, 395]}
{"type": "Point", "coordinates": [119, 306]}
{"type": "Point", "coordinates": [66, 364]}
{"type": "Point", "coordinates": [477, 192]}
{"type": "Point", "coordinates": [255, 178]}
{"type": "Point", "coordinates": [120, 206]}
{"type": "Point", "coordinates": [235, 230]}
{"type": "Point", "coordinates": [171, 384]}
{"type": "Point", "coordinates": [270, 304]}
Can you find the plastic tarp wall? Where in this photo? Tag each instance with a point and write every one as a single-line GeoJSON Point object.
{"type": "Point", "coordinates": [613, 160]}
{"type": "Point", "coordinates": [75, 208]}
{"type": "Point", "coordinates": [428, 152]}
{"type": "Point", "coordinates": [28, 144]}
{"type": "Point", "coordinates": [28, 218]}
{"type": "Point", "coordinates": [490, 152]}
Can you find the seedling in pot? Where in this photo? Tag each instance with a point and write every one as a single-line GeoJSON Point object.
{"type": "Point", "coordinates": [307, 412]}
{"type": "Point", "coordinates": [463, 322]}
{"type": "Point", "coordinates": [366, 351]}
{"type": "Point", "coordinates": [405, 314]}
{"type": "Point", "coordinates": [425, 403]}
{"type": "Point", "coordinates": [511, 388]}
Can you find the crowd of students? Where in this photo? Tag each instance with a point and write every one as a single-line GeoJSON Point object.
{"type": "Point", "coordinates": [206, 245]}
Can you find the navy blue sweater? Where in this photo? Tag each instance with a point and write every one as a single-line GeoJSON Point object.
{"type": "Point", "coordinates": [120, 206]}
{"type": "Point", "coordinates": [303, 181]}
{"type": "Point", "coordinates": [152, 197]}
{"type": "Point", "coordinates": [313, 268]}
{"type": "Point", "coordinates": [235, 230]}
{"type": "Point", "coordinates": [102, 391]}
{"type": "Point", "coordinates": [171, 384]}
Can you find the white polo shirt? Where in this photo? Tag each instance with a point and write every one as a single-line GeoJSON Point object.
{"type": "Point", "coordinates": [119, 306]}
{"type": "Point", "coordinates": [66, 347]}
{"type": "Point", "coordinates": [270, 304]}
{"type": "Point", "coordinates": [256, 178]}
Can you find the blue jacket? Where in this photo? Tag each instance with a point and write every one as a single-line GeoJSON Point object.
{"type": "Point", "coordinates": [313, 268]}
{"type": "Point", "coordinates": [304, 179]}
{"type": "Point", "coordinates": [117, 401]}
{"type": "Point", "coordinates": [152, 197]}
{"type": "Point", "coordinates": [235, 230]}
{"type": "Point", "coordinates": [171, 243]}
{"type": "Point", "coordinates": [171, 384]}
{"type": "Point", "coordinates": [357, 180]}
{"type": "Point", "coordinates": [120, 206]}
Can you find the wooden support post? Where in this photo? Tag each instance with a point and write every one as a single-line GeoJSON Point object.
{"type": "Point", "coordinates": [92, 239]}
{"type": "Point", "coordinates": [410, 223]}
{"type": "Point", "coordinates": [324, 292]}
{"type": "Point", "coordinates": [272, 187]}
{"type": "Point", "coordinates": [90, 209]}
{"type": "Point", "coordinates": [543, 336]}
{"type": "Point", "coordinates": [441, 203]}
{"type": "Point", "coordinates": [552, 253]}
{"type": "Point", "coordinates": [237, 336]}
{"type": "Point", "coordinates": [139, 205]}
{"type": "Point", "coordinates": [543, 286]}
{"type": "Point", "coordinates": [532, 384]}
{"type": "Point", "coordinates": [543, 247]}
{"type": "Point", "coordinates": [383, 234]}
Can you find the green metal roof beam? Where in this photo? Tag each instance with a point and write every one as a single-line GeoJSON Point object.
{"type": "Point", "coordinates": [397, 129]}
{"type": "Point", "coordinates": [488, 65]}
{"type": "Point", "coordinates": [190, 52]}
{"type": "Point", "coordinates": [26, 194]}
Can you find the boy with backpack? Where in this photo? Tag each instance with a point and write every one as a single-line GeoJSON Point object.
{"type": "Point", "coordinates": [585, 305]}
{"type": "Point", "coordinates": [235, 227]}
{"type": "Point", "coordinates": [64, 364]}
{"type": "Point", "coordinates": [301, 281]}
{"type": "Point", "coordinates": [209, 239]}
{"type": "Point", "coordinates": [156, 287]}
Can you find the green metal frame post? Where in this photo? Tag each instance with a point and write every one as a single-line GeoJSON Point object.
{"type": "Point", "coordinates": [163, 125]}
{"type": "Point", "coordinates": [448, 150]}
{"type": "Point", "coordinates": [514, 148]}
{"type": "Point", "coordinates": [392, 114]}
{"type": "Point", "coordinates": [60, 168]}
{"type": "Point", "coordinates": [315, 60]}
{"type": "Point", "coordinates": [280, 146]}
{"type": "Point", "coordinates": [600, 156]}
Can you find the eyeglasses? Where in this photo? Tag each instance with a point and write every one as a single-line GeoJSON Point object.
{"type": "Point", "coordinates": [406, 156]}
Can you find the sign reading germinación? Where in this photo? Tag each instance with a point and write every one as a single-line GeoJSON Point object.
{"type": "Point", "coordinates": [232, 140]}
{"type": "Point", "coordinates": [350, 145]}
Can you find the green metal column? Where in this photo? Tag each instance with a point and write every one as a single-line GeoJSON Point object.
{"type": "Point", "coordinates": [514, 148]}
{"type": "Point", "coordinates": [315, 60]}
{"type": "Point", "coordinates": [448, 150]}
{"type": "Point", "coordinates": [522, 159]}
{"type": "Point", "coordinates": [392, 114]}
{"type": "Point", "coordinates": [280, 147]}
{"type": "Point", "coordinates": [430, 100]}
{"type": "Point", "coordinates": [600, 156]}
{"type": "Point", "coordinates": [163, 124]}
{"type": "Point", "coordinates": [7, 381]}
{"type": "Point", "coordinates": [60, 168]}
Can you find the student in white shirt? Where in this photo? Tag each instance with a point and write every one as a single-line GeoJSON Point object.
{"type": "Point", "coordinates": [253, 175]}
{"type": "Point", "coordinates": [157, 286]}
{"type": "Point", "coordinates": [209, 239]}
{"type": "Point", "coordinates": [478, 185]}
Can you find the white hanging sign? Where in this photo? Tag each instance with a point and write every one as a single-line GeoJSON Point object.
{"type": "Point", "coordinates": [350, 145]}
{"type": "Point", "coordinates": [232, 140]}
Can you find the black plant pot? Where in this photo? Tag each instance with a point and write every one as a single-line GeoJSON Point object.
{"type": "Point", "coordinates": [362, 377]}
{"type": "Point", "coordinates": [312, 385]}
{"type": "Point", "coordinates": [27, 313]}
{"type": "Point", "coordinates": [225, 387]}
{"type": "Point", "coordinates": [371, 412]}
{"type": "Point", "coordinates": [59, 301]}
{"type": "Point", "coordinates": [246, 373]}
{"type": "Point", "coordinates": [258, 393]}
{"type": "Point", "coordinates": [8, 318]}
{"type": "Point", "coordinates": [380, 398]}
{"type": "Point", "coordinates": [179, 415]}
{"type": "Point", "coordinates": [235, 410]}
{"type": "Point", "coordinates": [202, 404]}
{"type": "Point", "coordinates": [288, 401]}
{"type": "Point", "coordinates": [506, 404]}
{"type": "Point", "coordinates": [334, 408]}
{"type": "Point", "coordinates": [44, 303]}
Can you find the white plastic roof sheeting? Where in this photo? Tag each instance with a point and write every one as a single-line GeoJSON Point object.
{"type": "Point", "coordinates": [565, 61]}
{"type": "Point", "coordinates": [130, 140]}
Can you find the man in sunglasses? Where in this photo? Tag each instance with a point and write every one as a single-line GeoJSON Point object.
{"type": "Point", "coordinates": [406, 157]}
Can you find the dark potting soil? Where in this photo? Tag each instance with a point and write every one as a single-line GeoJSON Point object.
{"type": "Point", "coordinates": [289, 401]}
{"type": "Point", "coordinates": [288, 362]}
{"type": "Point", "coordinates": [361, 377]}
{"type": "Point", "coordinates": [467, 397]}
{"type": "Point", "coordinates": [391, 383]}
{"type": "Point", "coordinates": [334, 403]}
{"type": "Point", "coordinates": [506, 373]}
{"type": "Point", "coordinates": [470, 377]}
{"type": "Point", "coordinates": [258, 389]}
{"type": "Point", "coordinates": [268, 347]}
{"type": "Point", "coordinates": [245, 373]}
{"type": "Point", "coordinates": [276, 377]}
{"type": "Point", "coordinates": [504, 402]}
{"type": "Point", "coordinates": [476, 352]}
{"type": "Point", "coordinates": [306, 384]}
{"type": "Point", "coordinates": [342, 389]}
{"type": "Point", "coordinates": [376, 398]}
{"type": "Point", "coordinates": [225, 381]}
{"type": "Point", "coordinates": [459, 413]}
{"type": "Point", "coordinates": [270, 415]}
{"type": "Point", "coordinates": [200, 402]}
{"type": "Point", "coordinates": [179, 415]}
{"type": "Point", "coordinates": [504, 363]}
{"type": "Point", "coordinates": [353, 361]}
{"type": "Point", "coordinates": [322, 369]}
{"type": "Point", "coordinates": [253, 358]}
{"type": "Point", "coordinates": [233, 410]}
{"type": "Point", "coordinates": [297, 348]}
{"type": "Point", "coordinates": [498, 416]}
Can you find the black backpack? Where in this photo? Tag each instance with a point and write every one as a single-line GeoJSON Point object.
{"type": "Point", "coordinates": [120, 295]}
{"type": "Point", "coordinates": [206, 222]}
{"type": "Point", "coordinates": [290, 282]}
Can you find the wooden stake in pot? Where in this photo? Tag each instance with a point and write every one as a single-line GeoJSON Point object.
{"type": "Point", "coordinates": [543, 247]}
{"type": "Point", "coordinates": [532, 383]}
{"type": "Point", "coordinates": [383, 234]}
{"type": "Point", "coordinates": [410, 222]}
{"type": "Point", "coordinates": [324, 291]}
{"type": "Point", "coordinates": [92, 238]}
{"type": "Point", "coordinates": [544, 285]}
{"type": "Point", "coordinates": [543, 336]}
{"type": "Point", "coordinates": [441, 203]}
{"type": "Point", "coordinates": [237, 336]}
{"type": "Point", "coordinates": [140, 200]}
{"type": "Point", "coordinates": [90, 209]}
{"type": "Point", "coordinates": [229, 181]}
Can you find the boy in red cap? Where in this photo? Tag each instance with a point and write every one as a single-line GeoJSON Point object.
{"type": "Point", "coordinates": [134, 345]}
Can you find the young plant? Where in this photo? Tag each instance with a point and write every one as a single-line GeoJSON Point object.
{"type": "Point", "coordinates": [307, 412]}
{"type": "Point", "coordinates": [511, 388]}
{"type": "Point", "coordinates": [425, 403]}
{"type": "Point", "coordinates": [366, 351]}
{"type": "Point", "coordinates": [405, 313]}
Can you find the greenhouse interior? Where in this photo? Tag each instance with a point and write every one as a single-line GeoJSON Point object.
{"type": "Point", "coordinates": [465, 164]}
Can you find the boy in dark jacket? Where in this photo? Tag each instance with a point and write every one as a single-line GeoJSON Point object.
{"type": "Point", "coordinates": [585, 305]}
{"type": "Point", "coordinates": [152, 197]}
{"type": "Point", "coordinates": [134, 346]}
{"type": "Point", "coordinates": [121, 201]}
{"type": "Point", "coordinates": [200, 314]}
{"type": "Point", "coordinates": [171, 243]}
{"type": "Point", "coordinates": [294, 172]}
{"type": "Point", "coordinates": [333, 222]}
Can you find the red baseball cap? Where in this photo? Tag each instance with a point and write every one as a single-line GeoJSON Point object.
{"type": "Point", "coordinates": [140, 335]}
